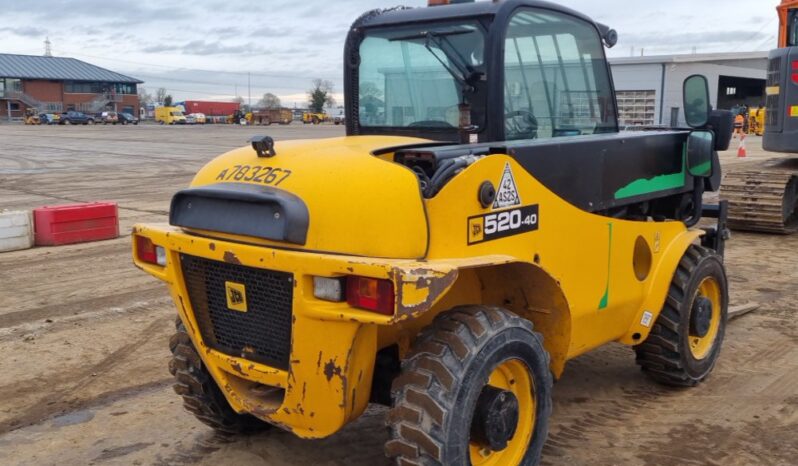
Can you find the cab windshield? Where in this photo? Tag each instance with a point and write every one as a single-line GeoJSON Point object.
{"type": "Point", "coordinates": [415, 77]}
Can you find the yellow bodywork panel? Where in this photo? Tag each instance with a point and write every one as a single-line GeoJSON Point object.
{"type": "Point", "coordinates": [582, 279]}
{"type": "Point", "coordinates": [591, 258]}
{"type": "Point", "coordinates": [358, 203]}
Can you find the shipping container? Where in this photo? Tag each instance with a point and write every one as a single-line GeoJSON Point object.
{"type": "Point", "coordinates": [210, 108]}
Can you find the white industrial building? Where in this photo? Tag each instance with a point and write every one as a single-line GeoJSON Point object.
{"type": "Point", "coordinates": [649, 89]}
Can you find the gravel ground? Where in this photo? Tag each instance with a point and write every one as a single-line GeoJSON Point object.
{"type": "Point", "coordinates": [85, 380]}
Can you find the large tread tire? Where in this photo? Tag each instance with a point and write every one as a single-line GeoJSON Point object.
{"type": "Point", "coordinates": [201, 396]}
{"type": "Point", "coordinates": [434, 395]}
{"type": "Point", "coordinates": [665, 355]}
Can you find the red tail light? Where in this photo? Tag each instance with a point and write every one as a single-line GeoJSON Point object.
{"type": "Point", "coordinates": [370, 293]}
{"type": "Point", "coordinates": [795, 72]}
{"type": "Point", "coordinates": [149, 252]}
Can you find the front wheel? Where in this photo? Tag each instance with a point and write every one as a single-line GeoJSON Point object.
{"type": "Point", "coordinates": [475, 390]}
{"type": "Point", "coordinates": [685, 342]}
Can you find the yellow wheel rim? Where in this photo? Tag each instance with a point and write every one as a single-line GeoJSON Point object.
{"type": "Point", "coordinates": [514, 376]}
{"type": "Point", "coordinates": [700, 347]}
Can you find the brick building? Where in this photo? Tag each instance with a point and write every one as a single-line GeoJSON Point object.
{"type": "Point", "coordinates": [58, 84]}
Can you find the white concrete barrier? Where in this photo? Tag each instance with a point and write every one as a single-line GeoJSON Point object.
{"type": "Point", "coordinates": [16, 230]}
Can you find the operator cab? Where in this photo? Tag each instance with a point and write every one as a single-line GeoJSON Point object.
{"type": "Point", "coordinates": [529, 79]}
{"type": "Point", "coordinates": [479, 72]}
{"type": "Point", "coordinates": [781, 116]}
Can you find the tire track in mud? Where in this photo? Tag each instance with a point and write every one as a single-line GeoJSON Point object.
{"type": "Point", "coordinates": [60, 401]}
{"type": "Point", "coordinates": [614, 409]}
{"type": "Point", "coordinates": [755, 367]}
{"type": "Point", "coordinates": [279, 447]}
{"type": "Point", "coordinates": [131, 158]}
{"type": "Point", "coordinates": [66, 255]}
{"type": "Point", "coordinates": [31, 192]}
{"type": "Point", "coordinates": [16, 318]}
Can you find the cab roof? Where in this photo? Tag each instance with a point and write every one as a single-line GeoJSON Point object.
{"type": "Point", "coordinates": [453, 11]}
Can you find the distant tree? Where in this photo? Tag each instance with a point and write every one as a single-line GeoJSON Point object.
{"type": "Point", "coordinates": [269, 100]}
{"type": "Point", "coordinates": [160, 95]}
{"type": "Point", "coordinates": [370, 98]}
{"type": "Point", "coordinates": [369, 89]}
{"type": "Point", "coordinates": [145, 98]}
{"type": "Point", "coordinates": [241, 105]}
{"type": "Point", "coordinates": [167, 100]}
{"type": "Point", "coordinates": [320, 95]}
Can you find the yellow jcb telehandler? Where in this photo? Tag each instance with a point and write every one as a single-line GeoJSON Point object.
{"type": "Point", "coordinates": [32, 117]}
{"type": "Point", "coordinates": [314, 118]}
{"type": "Point", "coordinates": [482, 223]}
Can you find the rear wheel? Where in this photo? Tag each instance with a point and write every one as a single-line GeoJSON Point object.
{"type": "Point", "coordinates": [201, 396]}
{"type": "Point", "coordinates": [685, 342]}
{"type": "Point", "coordinates": [476, 389]}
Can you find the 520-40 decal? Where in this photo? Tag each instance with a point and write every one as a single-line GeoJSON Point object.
{"type": "Point", "coordinates": [487, 227]}
{"type": "Point", "coordinates": [257, 174]}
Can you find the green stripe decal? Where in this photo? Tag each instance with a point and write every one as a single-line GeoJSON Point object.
{"type": "Point", "coordinates": [606, 298]}
{"type": "Point", "coordinates": [651, 185]}
{"type": "Point", "coordinates": [704, 169]}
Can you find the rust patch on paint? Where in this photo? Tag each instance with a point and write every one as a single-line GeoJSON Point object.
{"type": "Point", "coordinates": [231, 258]}
{"type": "Point", "coordinates": [435, 283]}
{"type": "Point", "coordinates": [331, 369]}
{"type": "Point", "coordinates": [237, 367]}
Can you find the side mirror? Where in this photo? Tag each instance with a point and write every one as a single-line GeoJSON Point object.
{"type": "Point", "coordinates": [700, 145]}
{"type": "Point", "coordinates": [696, 101]}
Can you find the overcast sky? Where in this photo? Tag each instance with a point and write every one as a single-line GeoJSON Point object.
{"type": "Point", "coordinates": [205, 49]}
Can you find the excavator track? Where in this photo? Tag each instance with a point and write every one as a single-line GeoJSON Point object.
{"type": "Point", "coordinates": [763, 198]}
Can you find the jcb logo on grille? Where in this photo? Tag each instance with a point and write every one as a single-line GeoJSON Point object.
{"type": "Point", "coordinates": [236, 296]}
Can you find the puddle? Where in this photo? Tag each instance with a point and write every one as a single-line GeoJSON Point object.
{"type": "Point", "coordinates": [77, 417]}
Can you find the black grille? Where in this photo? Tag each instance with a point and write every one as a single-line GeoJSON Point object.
{"type": "Point", "coordinates": [773, 110]}
{"type": "Point", "coordinates": [263, 332]}
{"type": "Point", "coordinates": [774, 72]}
{"type": "Point", "coordinates": [773, 102]}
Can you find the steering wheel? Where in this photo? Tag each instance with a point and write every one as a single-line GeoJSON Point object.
{"type": "Point", "coordinates": [521, 123]}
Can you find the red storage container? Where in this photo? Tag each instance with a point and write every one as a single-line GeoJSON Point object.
{"type": "Point", "coordinates": [210, 108]}
{"type": "Point", "coordinates": [75, 223]}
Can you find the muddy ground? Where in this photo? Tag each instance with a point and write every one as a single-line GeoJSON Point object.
{"type": "Point", "coordinates": [83, 334]}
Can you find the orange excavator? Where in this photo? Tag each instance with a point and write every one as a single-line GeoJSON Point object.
{"type": "Point", "coordinates": [764, 196]}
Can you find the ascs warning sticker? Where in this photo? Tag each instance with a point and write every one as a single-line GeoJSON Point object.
{"type": "Point", "coordinates": [507, 194]}
{"type": "Point", "coordinates": [497, 225]}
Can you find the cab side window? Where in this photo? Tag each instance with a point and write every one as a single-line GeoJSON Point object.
{"type": "Point", "coordinates": [792, 28]}
{"type": "Point", "coordinates": [556, 81]}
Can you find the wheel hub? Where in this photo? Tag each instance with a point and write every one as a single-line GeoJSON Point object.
{"type": "Point", "coordinates": [495, 418]}
{"type": "Point", "coordinates": [701, 316]}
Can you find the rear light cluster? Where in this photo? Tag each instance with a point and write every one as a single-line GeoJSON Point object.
{"type": "Point", "coordinates": [367, 293]}
{"type": "Point", "coordinates": [794, 73]}
{"type": "Point", "coordinates": [149, 252]}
